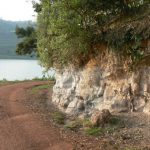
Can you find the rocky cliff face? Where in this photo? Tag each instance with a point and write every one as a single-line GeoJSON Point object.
{"type": "Point", "coordinates": [81, 91]}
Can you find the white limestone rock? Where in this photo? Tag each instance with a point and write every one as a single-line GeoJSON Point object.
{"type": "Point", "coordinates": [93, 88]}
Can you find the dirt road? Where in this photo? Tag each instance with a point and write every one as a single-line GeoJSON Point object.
{"type": "Point", "coordinates": [26, 124]}
{"type": "Point", "coordinates": [20, 128]}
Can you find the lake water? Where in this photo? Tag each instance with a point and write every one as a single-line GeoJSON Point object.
{"type": "Point", "coordinates": [21, 69]}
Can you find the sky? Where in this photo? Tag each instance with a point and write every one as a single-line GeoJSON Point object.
{"type": "Point", "coordinates": [16, 10]}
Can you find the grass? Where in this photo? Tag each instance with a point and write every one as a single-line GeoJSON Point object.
{"type": "Point", "coordinates": [86, 125]}
{"type": "Point", "coordinates": [89, 129]}
{"type": "Point", "coordinates": [114, 124]}
{"type": "Point", "coordinates": [94, 131]}
{"type": "Point", "coordinates": [33, 89]}
{"type": "Point", "coordinates": [5, 82]}
{"type": "Point", "coordinates": [41, 87]}
{"type": "Point", "coordinates": [58, 117]}
{"type": "Point", "coordinates": [51, 78]}
{"type": "Point", "coordinates": [78, 123]}
{"type": "Point", "coordinates": [74, 125]}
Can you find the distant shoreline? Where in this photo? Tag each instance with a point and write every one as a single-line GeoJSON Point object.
{"type": "Point", "coordinates": [17, 57]}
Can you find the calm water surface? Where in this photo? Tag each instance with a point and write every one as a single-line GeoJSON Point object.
{"type": "Point", "coordinates": [21, 69]}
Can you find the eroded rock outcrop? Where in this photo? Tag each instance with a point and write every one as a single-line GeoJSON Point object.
{"type": "Point", "coordinates": [102, 85]}
{"type": "Point", "coordinates": [81, 91]}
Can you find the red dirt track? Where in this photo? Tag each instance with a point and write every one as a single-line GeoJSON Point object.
{"type": "Point", "coordinates": [20, 128]}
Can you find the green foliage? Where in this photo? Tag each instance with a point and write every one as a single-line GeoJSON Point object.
{"type": "Point", "coordinates": [59, 117]}
{"type": "Point", "coordinates": [37, 7]}
{"type": "Point", "coordinates": [69, 29]}
{"type": "Point", "coordinates": [40, 87]}
{"type": "Point", "coordinates": [74, 125]}
{"type": "Point", "coordinates": [114, 124]}
{"type": "Point", "coordinates": [5, 82]}
{"type": "Point", "coordinates": [22, 32]}
{"type": "Point", "coordinates": [8, 39]}
{"type": "Point", "coordinates": [29, 42]}
{"type": "Point", "coordinates": [94, 131]}
{"type": "Point", "coordinates": [50, 78]}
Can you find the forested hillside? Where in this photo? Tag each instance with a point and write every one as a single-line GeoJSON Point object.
{"type": "Point", "coordinates": [8, 38]}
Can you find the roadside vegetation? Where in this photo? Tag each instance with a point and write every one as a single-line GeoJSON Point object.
{"type": "Point", "coordinates": [87, 128]}
{"type": "Point", "coordinates": [83, 126]}
{"type": "Point", "coordinates": [36, 89]}
{"type": "Point", "coordinates": [7, 82]}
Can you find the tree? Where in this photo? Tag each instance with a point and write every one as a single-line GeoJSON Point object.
{"type": "Point", "coordinates": [29, 43]}
{"type": "Point", "coordinates": [68, 30]}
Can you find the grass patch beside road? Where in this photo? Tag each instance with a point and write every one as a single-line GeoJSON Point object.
{"type": "Point", "coordinates": [41, 87]}
{"type": "Point", "coordinates": [5, 82]}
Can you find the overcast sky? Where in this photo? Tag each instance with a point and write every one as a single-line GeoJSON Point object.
{"type": "Point", "coordinates": [16, 10]}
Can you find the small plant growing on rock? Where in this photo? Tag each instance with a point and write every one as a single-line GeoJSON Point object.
{"type": "Point", "coordinates": [59, 117]}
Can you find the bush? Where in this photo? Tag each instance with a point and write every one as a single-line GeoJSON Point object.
{"type": "Point", "coordinates": [58, 117]}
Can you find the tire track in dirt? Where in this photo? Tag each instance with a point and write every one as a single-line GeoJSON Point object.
{"type": "Point", "coordinates": [21, 129]}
